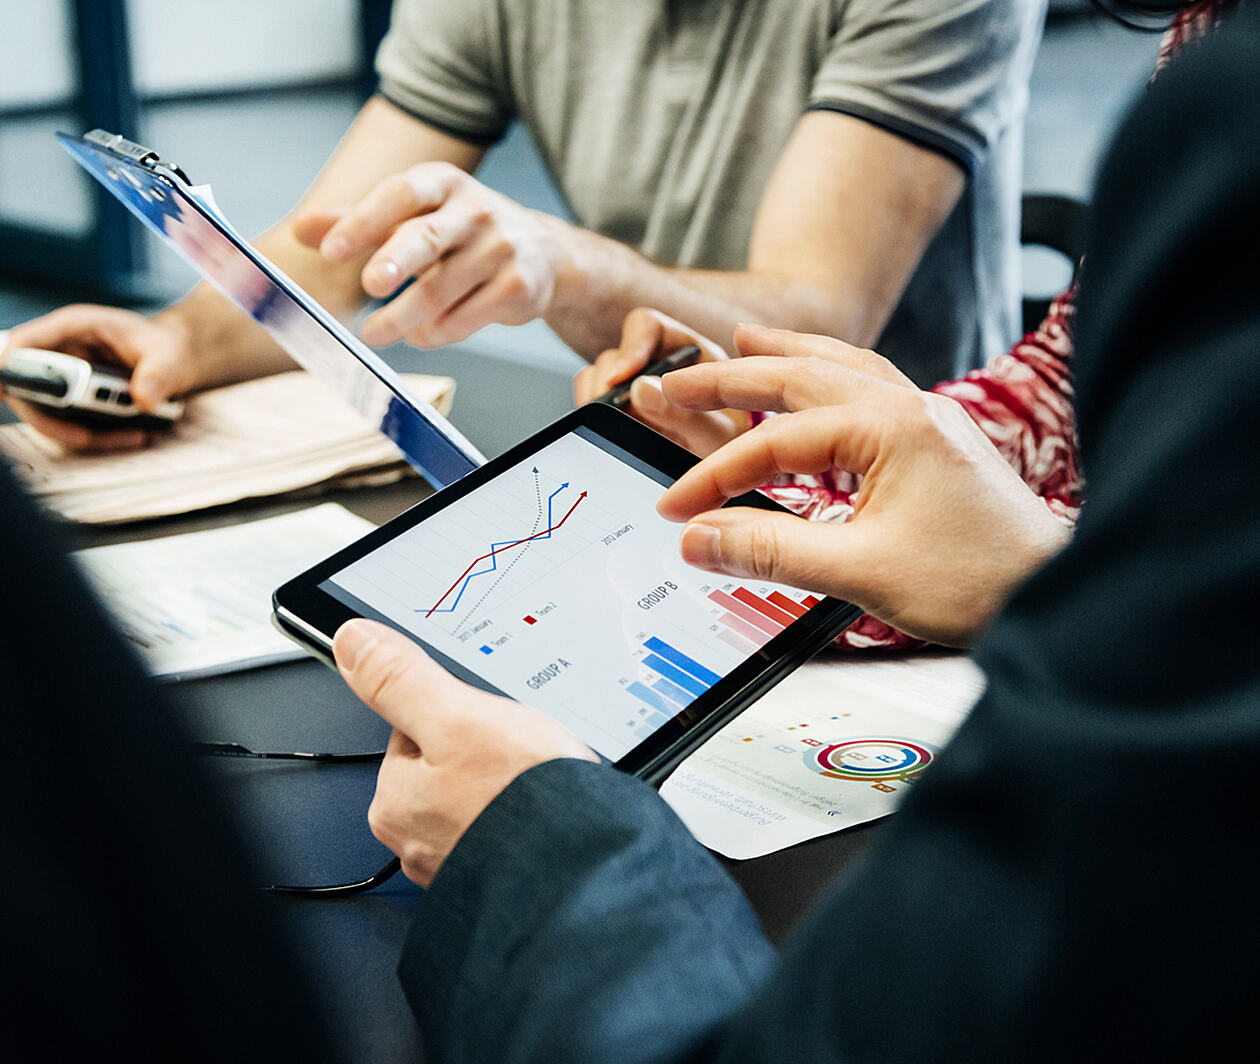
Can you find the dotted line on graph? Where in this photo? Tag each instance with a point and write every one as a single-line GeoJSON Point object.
{"type": "Point", "coordinates": [507, 568]}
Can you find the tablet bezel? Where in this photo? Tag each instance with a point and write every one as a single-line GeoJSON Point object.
{"type": "Point", "coordinates": [310, 616]}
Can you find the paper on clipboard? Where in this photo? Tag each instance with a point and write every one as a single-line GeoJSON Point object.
{"type": "Point", "coordinates": [187, 218]}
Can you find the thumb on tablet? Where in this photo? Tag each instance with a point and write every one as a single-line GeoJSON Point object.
{"type": "Point", "coordinates": [450, 721]}
{"type": "Point", "coordinates": [778, 547]}
{"type": "Point", "coordinates": [393, 676]}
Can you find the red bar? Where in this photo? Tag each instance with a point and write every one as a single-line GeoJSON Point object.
{"type": "Point", "coordinates": [762, 606]}
{"type": "Point", "coordinates": [744, 628]}
{"type": "Point", "coordinates": [780, 599]}
{"type": "Point", "coordinates": [811, 601]}
{"type": "Point", "coordinates": [530, 620]}
{"type": "Point", "coordinates": [754, 618]}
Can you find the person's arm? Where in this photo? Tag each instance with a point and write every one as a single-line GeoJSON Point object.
{"type": "Point", "coordinates": [842, 225]}
{"type": "Point", "coordinates": [1023, 401]}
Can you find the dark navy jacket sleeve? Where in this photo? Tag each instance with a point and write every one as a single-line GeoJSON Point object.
{"type": "Point", "coordinates": [577, 920]}
{"type": "Point", "coordinates": [1076, 878]}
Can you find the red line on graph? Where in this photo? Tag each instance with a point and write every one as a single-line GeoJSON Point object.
{"type": "Point", "coordinates": [506, 546]}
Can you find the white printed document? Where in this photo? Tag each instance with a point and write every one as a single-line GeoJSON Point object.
{"type": "Point", "coordinates": [838, 743]}
{"type": "Point", "coordinates": [200, 603]}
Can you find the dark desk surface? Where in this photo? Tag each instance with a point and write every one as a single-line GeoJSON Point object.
{"type": "Point", "coordinates": [309, 824]}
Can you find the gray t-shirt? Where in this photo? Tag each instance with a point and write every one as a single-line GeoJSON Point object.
{"type": "Point", "coordinates": [661, 120]}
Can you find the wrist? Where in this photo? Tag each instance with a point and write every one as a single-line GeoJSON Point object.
{"type": "Point", "coordinates": [1043, 539]}
{"type": "Point", "coordinates": [216, 344]}
{"type": "Point", "coordinates": [1055, 534]}
{"type": "Point", "coordinates": [570, 269]}
{"type": "Point", "coordinates": [178, 325]}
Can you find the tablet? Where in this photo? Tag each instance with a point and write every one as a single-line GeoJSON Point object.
{"type": "Point", "coordinates": [548, 576]}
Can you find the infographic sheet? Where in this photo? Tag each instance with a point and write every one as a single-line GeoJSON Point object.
{"type": "Point", "coordinates": [838, 743]}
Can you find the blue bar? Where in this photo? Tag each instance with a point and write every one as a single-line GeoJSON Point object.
{"type": "Point", "coordinates": [673, 692]}
{"type": "Point", "coordinates": [486, 650]}
{"type": "Point", "coordinates": [650, 697]}
{"type": "Point", "coordinates": [707, 676]}
{"type": "Point", "coordinates": [687, 683]}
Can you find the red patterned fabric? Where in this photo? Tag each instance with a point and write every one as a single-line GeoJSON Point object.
{"type": "Point", "coordinates": [1022, 401]}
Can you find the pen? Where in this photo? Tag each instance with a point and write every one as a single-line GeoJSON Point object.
{"type": "Point", "coordinates": [619, 394]}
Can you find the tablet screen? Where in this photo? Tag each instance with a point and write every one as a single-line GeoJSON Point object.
{"type": "Point", "coordinates": [558, 585]}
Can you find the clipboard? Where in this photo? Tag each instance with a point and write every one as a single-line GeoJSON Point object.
{"type": "Point", "coordinates": [187, 219]}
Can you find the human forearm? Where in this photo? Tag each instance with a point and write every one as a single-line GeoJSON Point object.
{"type": "Point", "coordinates": [605, 280]}
{"type": "Point", "coordinates": [831, 251]}
{"type": "Point", "coordinates": [562, 896]}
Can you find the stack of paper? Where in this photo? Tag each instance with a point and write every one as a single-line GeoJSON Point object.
{"type": "Point", "coordinates": [264, 437]}
{"type": "Point", "coordinates": [200, 603]}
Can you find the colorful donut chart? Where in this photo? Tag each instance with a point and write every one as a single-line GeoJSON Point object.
{"type": "Point", "coordinates": [873, 760]}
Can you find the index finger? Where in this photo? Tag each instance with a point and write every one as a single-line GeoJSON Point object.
{"type": "Point", "coordinates": [767, 383]}
{"type": "Point", "coordinates": [80, 329]}
{"type": "Point", "coordinates": [648, 335]}
{"type": "Point", "coordinates": [369, 223]}
{"type": "Point", "coordinates": [760, 340]}
{"type": "Point", "coordinates": [812, 441]}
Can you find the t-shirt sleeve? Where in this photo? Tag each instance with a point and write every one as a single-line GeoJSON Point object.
{"type": "Point", "coordinates": [948, 75]}
{"type": "Point", "coordinates": [442, 61]}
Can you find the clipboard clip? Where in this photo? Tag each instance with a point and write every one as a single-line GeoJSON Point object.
{"type": "Point", "coordinates": [117, 144]}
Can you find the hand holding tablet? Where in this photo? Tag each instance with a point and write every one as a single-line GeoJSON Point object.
{"type": "Point", "coordinates": [547, 576]}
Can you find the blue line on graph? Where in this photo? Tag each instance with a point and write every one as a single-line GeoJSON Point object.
{"type": "Point", "coordinates": [673, 692]}
{"type": "Point", "coordinates": [644, 694]}
{"type": "Point", "coordinates": [706, 676]}
{"type": "Point", "coordinates": [687, 683]}
{"type": "Point", "coordinates": [494, 558]}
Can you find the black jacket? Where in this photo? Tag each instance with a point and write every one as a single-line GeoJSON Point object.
{"type": "Point", "coordinates": [1076, 877]}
